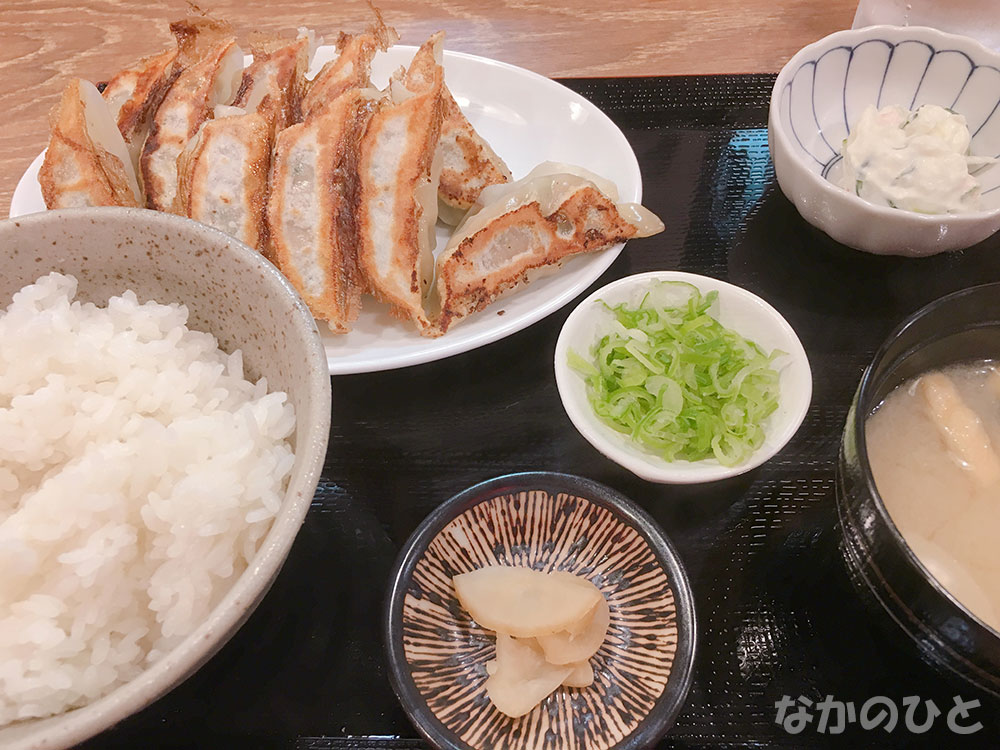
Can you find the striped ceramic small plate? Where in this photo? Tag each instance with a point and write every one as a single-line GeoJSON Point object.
{"type": "Point", "coordinates": [438, 654]}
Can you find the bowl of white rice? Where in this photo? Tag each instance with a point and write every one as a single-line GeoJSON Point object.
{"type": "Point", "coordinates": [164, 416]}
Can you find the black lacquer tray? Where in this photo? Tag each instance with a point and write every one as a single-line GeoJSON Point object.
{"type": "Point", "coordinates": [777, 614]}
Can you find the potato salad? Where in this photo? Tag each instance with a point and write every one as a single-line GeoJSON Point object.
{"type": "Point", "coordinates": [915, 161]}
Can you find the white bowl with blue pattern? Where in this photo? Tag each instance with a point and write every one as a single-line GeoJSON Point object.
{"type": "Point", "coordinates": [822, 91]}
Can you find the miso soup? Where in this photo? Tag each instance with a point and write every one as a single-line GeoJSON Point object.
{"type": "Point", "coordinates": [934, 449]}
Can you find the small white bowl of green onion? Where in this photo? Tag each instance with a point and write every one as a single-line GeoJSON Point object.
{"type": "Point", "coordinates": [681, 378]}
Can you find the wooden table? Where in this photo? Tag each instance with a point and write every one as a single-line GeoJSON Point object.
{"type": "Point", "coordinates": [43, 44]}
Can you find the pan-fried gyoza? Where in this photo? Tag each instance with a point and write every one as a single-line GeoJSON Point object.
{"type": "Point", "coordinates": [468, 163]}
{"type": "Point", "coordinates": [212, 78]}
{"type": "Point", "coordinates": [397, 209]}
{"type": "Point", "coordinates": [222, 174]}
{"type": "Point", "coordinates": [134, 94]}
{"type": "Point", "coordinates": [273, 84]}
{"type": "Point", "coordinates": [556, 211]}
{"type": "Point", "coordinates": [223, 171]}
{"type": "Point", "coordinates": [87, 162]}
{"type": "Point", "coordinates": [350, 69]}
{"type": "Point", "coordinates": [341, 185]}
{"type": "Point", "coordinates": [313, 202]}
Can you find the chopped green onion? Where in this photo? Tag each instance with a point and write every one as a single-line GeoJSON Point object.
{"type": "Point", "coordinates": [674, 379]}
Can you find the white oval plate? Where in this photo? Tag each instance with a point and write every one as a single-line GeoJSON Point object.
{"type": "Point", "coordinates": [528, 119]}
{"type": "Point", "coordinates": [738, 309]}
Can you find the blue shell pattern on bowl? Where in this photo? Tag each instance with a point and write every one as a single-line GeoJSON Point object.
{"type": "Point", "coordinates": [828, 93]}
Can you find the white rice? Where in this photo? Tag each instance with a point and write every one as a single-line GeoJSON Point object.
{"type": "Point", "coordinates": [138, 473]}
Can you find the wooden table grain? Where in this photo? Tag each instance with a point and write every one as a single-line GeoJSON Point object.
{"type": "Point", "coordinates": [43, 43]}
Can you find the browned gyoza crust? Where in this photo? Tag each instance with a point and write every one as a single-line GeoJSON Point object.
{"type": "Point", "coordinates": [278, 69]}
{"type": "Point", "coordinates": [222, 177]}
{"type": "Point", "coordinates": [469, 163]}
{"type": "Point", "coordinates": [186, 105]}
{"type": "Point", "coordinates": [313, 205]}
{"type": "Point", "coordinates": [197, 35]}
{"type": "Point", "coordinates": [223, 172]}
{"type": "Point", "coordinates": [469, 278]}
{"type": "Point", "coordinates": [76, 171]}
{"type": "Point", "coordinates": [350, 69]}
{"type": "Point", "coordinates": [425, 69]}
{"type": "Point", "coordinates": [390, 215]}
{"type": "Point", "coordinates": [134, 94]}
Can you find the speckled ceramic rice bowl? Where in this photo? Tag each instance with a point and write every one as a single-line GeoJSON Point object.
{"type": "Point", "coordinates": [232, 292]}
